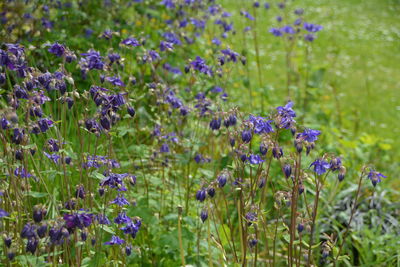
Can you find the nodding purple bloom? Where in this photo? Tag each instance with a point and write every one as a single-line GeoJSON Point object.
{"type": "Point", "coordinates": [342, 173]}
{"type": "Point", "coordinates": [216, 41]}
{"type": "Point", "coordinates": [211, 191]}
{"type": "Point", "coordinates": [309, 37]}
{"type": "Point", "coordinates": [15, 49]}
{"type": "Point", "coordinates": [263, 149]}
{"type": "Point", "coordinates": [164, 148]}
{"type": "Point", "coordinates": [300, 227]}
{"type": "Point", "coordinates": [256, 4]}
{"type": "Point", "coordinates": [77, 220]}
{"type": "Point", "coordinates": [201, 195]}
{"type": "Point", "coordinates": [92, 60]}
{"type": "Point", "coordinates": [22, 173]}
{"type": "Point", "coordinates": [28, 231]}
{"type": "Point", "coordinates": [200, 65]}
{"type": "Point", "coordinates": [168, 4]}
{"type": "Point", "coordinates": [246, 29]}
{"type": "Point", "coordinates": [103, 219]}
{"type": "Point", "coordinates": [80, 192]}
{"type": "Point", "coordinates": [120, 200]}
{"type": "Point", "coordinates": [286, 115]}
{"type": "Point", "coordinates": [312, 27]}
{"type": "Point", "coordinates": [287, 170]}
{"type": "Point", "coordinates": [122, 218]}
{"type": "Point", "coordinates": [320, 166]}
{"type": "Point", "coordinates": [297, 22]}
{"type": "Point", "coordinates": [130, 41]}
{"type": "Point", "coordinates": [309, 135]}
{"type": "Point", "coordinates": [275, 31]}
{"type": "Point", "coordinates": [221, 180]}
{"type": "Point", "coordinates": [107, 34]}
{"type": "Point", "coordinates": [262, 182]}
{"type": "Point", "coordinates": [336, 163]}
{"type": "Point", "coordinates": [278, 18]}
{"type": "Point", "coordinates": [172, 38]}
{"type": "Point", "coordinates": [45, 124]}
{"type": "Point", "coordinates": [115, 240]}
{"type": "Point", "coordinates": [375, 177]}
{"type": "Point", "coordinates": [115, 81]}
{"type": "Point", "coordinates": [261, 125]}
{"type": "Point", "coordinates": [243, 157]}
{"type": "Point", "coordinates": [166, 46]}
{"type": "Point", "coordinates": [5, 124]}
{"type": "Point", "coordinates": [299, 11]}
{"type": "Point", "coordinates": [288, 29]}
{"type": "Point", "coordinates": [215, 124]}
{"type": "Point", "coordinates": [2, 78]}
{"type": "Point", "coordinates": [154, 55]}
{"type": "Point", "coordinates": [251, 217]}
{"type": "Point", "coordinates": [57, 49]}
{"type": "Point", "coordinates": [114, 57]}
{"type": "Point", "coordinates": [132, 228]}
{"type": "Point", "coordinates": [115, 180]}
{"type": "Point", "coordinates": [246, 15]}
{"type": "Point", "coordinates": [281, 5]}
{"type": "Point", "coordinates": [246, 136]}
{"type": "Point", "coordinates": [203, 215]}
{"type": "Point", "coordinates": [18, 136]}
{"type": "Point", "coordinates": [255, 159]}
{"type": "Point", "coordinates": [232, 55]}
{"type": "Point", "coordinates": [54, 157]}
{"type": "Point", "coordinates": [277, 152]}
{"type": "Point", "coordinates": [32, 245]}
{"type": "Point", "coordinates": [42, 230]}
{"type": "Point", "coordinates": [267, 5]}
{"type": "Point", "coordinates": [3, 213]}
{"type": "Point", "coordinates": [128, 250]}
{"type": "Point", "coordinates": [253, 242]}
{"type": "Point", "coordinates": [198, 23]}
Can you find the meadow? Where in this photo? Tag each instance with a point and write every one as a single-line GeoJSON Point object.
{"type": "Point", "coordinates": [199, 133]}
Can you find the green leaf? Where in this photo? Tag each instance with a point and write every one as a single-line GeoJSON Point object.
{"type": "Point", "coordinates": [36, 194]}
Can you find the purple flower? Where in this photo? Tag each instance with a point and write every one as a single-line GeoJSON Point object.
{"type": "Point", "coordinates": [54, 157]}
{"type": "Point", "coordinates": [200, 65]}
{"type": "Point", "coordinates": [320, 166]}
{"type": "Point", "coordinates": [232, 55]}
{"type": "Point", "coordinates": [131, 41]}
{"type": "Point", "coordinates": [164, 148]}
{"type": "Point", "coordinates": [115, 240]}
{"type": "Point", "coordinates": [203, 215]}
{"type": "Point", "coordinates": [309, 135]}
{"type": "Point", "coordinates": [309, 37]}
{"type": "Point", "coordinates": [312, 27]}
{"type": "Point", "coordinates": [92, 60]}
{"type": "Point", "coordinates": [215, 124]}
{"type": "Point", "coordinates": [221, 180]}
{"type": "Point", "coordinates": [246, 136]}
{"type": "Point", "coordinates": [122, 218]}
{"type": "Point", "coordinates": [286, 115]}
{"type": "Point", "coordinates": [168, 4]}
{"type": "Point", "coordinates": [120, 200]}
{"type": "Point", "coordinates": [115, 81]}
{"type": "Point", "coordinates": [77, 220]}
{"type": "Point", "coordinates": [115, 180]}
{"type": "Point", "coordinates": [288, 29]}
{"type": "Point", "coordinates": [246, 15]}
{"type": "Point", "coordinates": [255, 159]}
{"type": "Point", "coordinates": [375, 177]}
{"type": "Point", "coordinates": [261, 125]}
{"type": "Point", "coordinates": [22, 173]}
{"type": "Point", "coordinates": [166, 46]}
{"type": "Point", "coordinates": [3, 213]}
{"type": "Point", "coordinates": [57, 49]}
{"type": "Point", "coordinates": [216, 41]}
{"type": "Point", "coordinates": [287, 170]}
{"type": "Point", "coordinates": [275, 31]}
{"type": "Point", "coordinates": [201, 195]}
{"type": "Point", "coordinates": [45, 124]}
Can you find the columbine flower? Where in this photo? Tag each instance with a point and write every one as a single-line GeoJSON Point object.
{"type": "Point", "coordinates": [221, 180]}
{"type": "Point", "coordinates": [131, 41]}
{"type": "Point", "coordinates": [255, 159]}
{"type": "Point", "coordinates": [115, 240]}
{"type": "Point", "coordinates": [203, 215]}
{"type": "Point", "coordinates": [215, 124]}
{"type": "Point", "coordinates": [3, 213]}
{"type": "Point", "coordinates": [285, 116]}
{"type": "Point", "coordinates": [201, 195]}
{"type": "Point", "coordinates": [312, 27]}
{"type": "Point", "coordinates": [320, 166]}
{"type": "Point", "coordinates": [261, 125]}
{"type": "Point", "coordinates": [122, 218]}
{"type": "Point", "coordinates": [57, 49]}
{"type": "Point", "coordinates": [93, 60]}
{"type": "Point", "coordinates": [115, 81]}
{"type": "Point", "coordinates": [200, 65]}
{"type": "Point", "coordinates": [309, 135]}
{"type": "Point", "coordinates": [120, 200]}
{"type": "Point", "coordinates": [77, 220]}
{"type": "Point", "coordinates": [246, 136]}
{"type": "Point", "coordinates": [375, 177]}
{"type": "Point", "coordinates": [287, 170]}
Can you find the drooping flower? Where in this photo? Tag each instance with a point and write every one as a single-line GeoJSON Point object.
{"type": "Point", "coordinates": [375, 177]}
{"type": "Point", "coordinates": [201, 195]}
{"type": "Point", "coordinates": [320, 166]}
{"type": "Point", "coordinates": [255, 159]}
{"type": "Point", "coordinates": [309, 135]}
{"type": "Point", "coordinates": [120, 200]}
{"type": "Point", "coordinates": [115, 240]}
{"type": "Point", "coordinates": [285, 116]}
{"type": "Point", "coordinates": [203, 215]}
{"type": "Point", "coordinates": [78, 220]}
{"type": "Point", "coordinates": [130, 41]}
{"type": "Point", "coordinates": [57, 49]}
{"type": "Point", "coordinates": [261, 125]}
